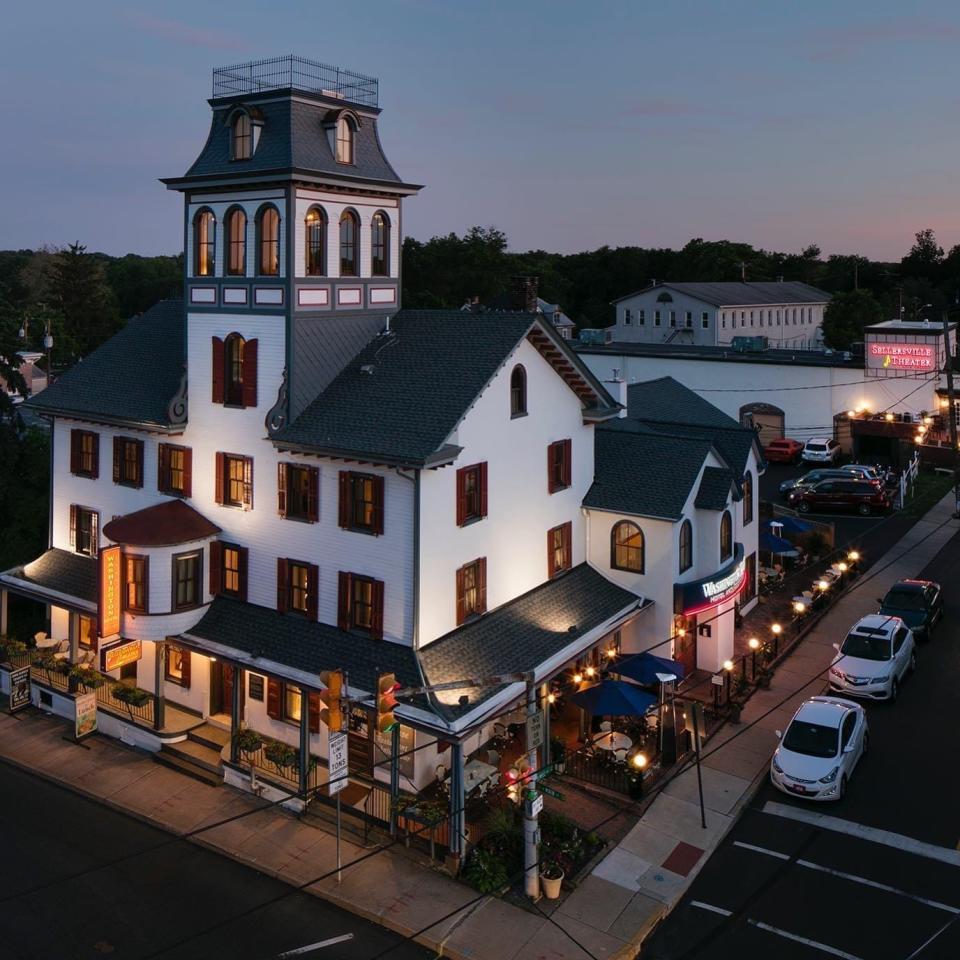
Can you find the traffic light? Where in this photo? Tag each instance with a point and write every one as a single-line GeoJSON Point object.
{"type": "Point", "coordinates": [386, 687]}
{"type": "Point", "coordinates": [332, 714]}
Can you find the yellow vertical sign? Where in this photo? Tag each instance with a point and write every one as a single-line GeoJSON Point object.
{"type": "Point", "coordinates": [110, 585]}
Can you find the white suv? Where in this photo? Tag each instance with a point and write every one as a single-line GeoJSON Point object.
{"type": "Point", "coordinates": [821, 450]}
{"type": "Point", "coordinates": [874, 659]}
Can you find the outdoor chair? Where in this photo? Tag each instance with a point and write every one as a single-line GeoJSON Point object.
{"type": "Point", "coordinates": [441, 772]}
{"type": "Point", "coordinates": [493, 758]}
{"type": "Point", "coordinates": [606, 726]}
{"type": "Point", "coordinates": [620, 756]}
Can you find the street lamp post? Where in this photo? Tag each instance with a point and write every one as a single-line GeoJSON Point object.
{"type": "Point", "coordinates": [754, 644]}
{"type": "Point", "coordinates": [776, 630]}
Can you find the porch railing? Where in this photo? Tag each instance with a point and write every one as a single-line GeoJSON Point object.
{"type": "Point", "coordinates": [599, 772]}
{"type": "Point", "coordinates": [54, 679]}
{"type": "Point", "coordinates": [286, 776]}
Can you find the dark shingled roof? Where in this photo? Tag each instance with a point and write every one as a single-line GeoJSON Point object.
{"type": "Point", "coordinates": [131, 378]}
{"type": "Point", "coordinates": [744, 294]}
{"type": "Point", "coordinates": [715, 487]}
{"type": "Point", "coordinates": [65, 572]}
{"type": "Point", "coordinates": [523, 633]}
{"type": "Point", "coordinates": [734, 444]}
{"type": "Point", "coordinates": [406, 391]}
{"type": "Point", "coordinates": [643, 473]}
{"type": "Point", "coordinates": [665, 400]}
{"type": "Point", "coordinates": [162, 525]}
{"type": "Point", "coordinates": [288, 639]}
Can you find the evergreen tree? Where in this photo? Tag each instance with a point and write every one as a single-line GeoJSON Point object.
{"type": "Point", "coordinates": [86, 303]}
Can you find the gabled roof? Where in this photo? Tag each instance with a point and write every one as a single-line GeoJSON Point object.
{"type": "Point", "coordinates": [402, 396]}
{"type": "Point", "coordinates": [61, 571]}
{"type": "Point", "coordinates": [133, 378]}
{"type": "Point", "coordinates": [642, 473]}
{"type": "Point", "coordinates": [522, 634]}
{"type": "Point", "coordinates": [726, 294]}
{"type": "Point", "coordinates": [162, 525]}
{"type": "Point", "coordinates": [715, 488]}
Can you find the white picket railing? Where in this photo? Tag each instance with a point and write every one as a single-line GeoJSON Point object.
{"type": "Point", "coordinates": [907, 479]}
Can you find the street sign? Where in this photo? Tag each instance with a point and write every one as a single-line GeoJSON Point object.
{"type": "Point", "coordinates": [536, 805]}
{"type": "Point", "coordinates": [337, 755]}
{"type": "Point", "coordinates": [544, 772]}
{"type": "Point", "coordinates": [550, 792]}
{"type": "Point", "coordinates": [717, 679]}
{"type": "Point", "coordinates": [535, 731]}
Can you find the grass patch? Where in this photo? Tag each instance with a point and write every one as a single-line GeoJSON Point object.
{"type": "Point", "coordinates": [929, 489]}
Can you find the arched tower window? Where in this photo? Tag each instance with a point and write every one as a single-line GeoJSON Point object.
{"type": "Point", "coordinates": [268, 241]}
{"type": "Point", "coordinates": [204, 227]}
{"type": "Point", "coordinates": [315, 242]}
{"type": "Point", "coordinates": [686, 546]}
{"type": "Point", "coordinates": [349, 244]}
{"type": "Point", "coordinates": [626, 547]}
{"type": "Point", "coordinates": [236, 254]}
{"type": "Point", "coordinates": [726, 536]}
{"type": "Point", "coordinates": [233, 369]}
{"type": "Point", "coordinates": [344, 140]}
{"type": "Point", "coordinates": [518, 392]}
{"type": "Point", "coordinates": [747, 498]}
{"type": "Point", "coordinates": [380, 245]}
{"type": "Point", "coordinates": [242, 139]}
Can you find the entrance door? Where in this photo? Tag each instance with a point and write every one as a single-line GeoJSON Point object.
{"type": "Point", "coordinates": [685, 647]}
{"type": "Point", "coordinates": [221, 687]}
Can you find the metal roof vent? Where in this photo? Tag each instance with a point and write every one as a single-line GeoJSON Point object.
{"type": "Point", "coordinates": [367, 368]}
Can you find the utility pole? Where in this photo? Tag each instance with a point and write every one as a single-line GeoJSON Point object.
{"type": "Point", "coordinates": [951, 411]}
{"type": "Point", "coordinates": [531, 806]}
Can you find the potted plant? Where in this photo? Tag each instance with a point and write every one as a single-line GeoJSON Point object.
{"type": "Point", "coordinates": [248, 741]}
{"type": "Point", "coordinates": [741, 686]}
{"type": "Point", "coordinates": [734, 708]}
{"type": "Point", "coordinates": [763, 678]}
{"type": "Point", "coordinates": [551, 877]}
{"type": "Point", "coordinates": [11, 650]}
{"type": "Point", "coordinates": [280, 754]}
{"type": "Point", "coordinates": [83, 675]}
{"type": "Point", "coordinates": [558, 754]}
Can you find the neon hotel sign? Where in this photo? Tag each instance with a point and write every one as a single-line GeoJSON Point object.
{"type": "Point", "coordinates": [901, 356]}
{"type": "Point", "coordinates": [690, 598]}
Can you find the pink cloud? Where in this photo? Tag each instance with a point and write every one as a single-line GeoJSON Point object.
{"type": "Point", "coordinates": [185, 34]}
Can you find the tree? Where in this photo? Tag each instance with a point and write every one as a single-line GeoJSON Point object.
{"type": "Point", "coordinates": [925, 257]}
{"type": "Point", "coordinates": [9, 361]}
{"type": "Point", "coordinates": [87, 304]}
{"type": "Point", "coordinates": [846, 316]}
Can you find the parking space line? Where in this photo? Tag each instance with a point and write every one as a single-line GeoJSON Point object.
{"type": "Point", "coordinates": [711, 908]}
{"type": "Point", "coordinates": [872, 834]}
{"type": "Point", "coordinates": [833, 951]}
{"type": "Point", "coordinates": [763, 850]}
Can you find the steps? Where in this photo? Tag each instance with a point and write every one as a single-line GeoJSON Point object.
{"type": "Point", "coordinates": [199, 755]}
{"type": "Point", "coordinates": [208, 735]}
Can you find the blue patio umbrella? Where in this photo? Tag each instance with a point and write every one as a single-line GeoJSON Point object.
{"type": "Point", "coordinates": [788, 525]}
{"type": "Point", "coordinates": [767, 541]}
{"type": "Point", "coordinates": [644, 667]}
{"type": "Point", "coordinates": [614, 698]}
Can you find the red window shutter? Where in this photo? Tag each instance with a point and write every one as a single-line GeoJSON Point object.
{"type": "Point", "coordinates": [220, 474]}
{"type": "Point", "coordinates": [282, 581]}
{"type": "Point", "coordinates": [242, 572]}
{"type": "Point", "coordinates": [216, 567]}
{"type": "Point", "coordinates": [551, 453]}
{"type": "Point", "coordinates": [313, 495]}
{"type": "Point", "coordinates": [73, 525]}
{"type": "Point", "coordinates": [314, 705]}
{"type": "Point", "coordinates": [567, 536]}
{"type": "Point", "coordinates": [461, 497]}
{"type": "Point", "coordinates": [117, 457]}
{"type": "Point", "coordinates": [187, 472]}
{"type": "Point", "coordinates": [163, 468]}
{"type": "Point", "coordinates": [74, 451]}
{"type": "Point", "coordinates": [483, 489]}
{"type": "Point", "coordinates": [273, 699]}
{"type": "Point", "coordinates": [95, 472]}
{"type": "Point", "coordinates": [248, 483]}
{"type": "Point", "coordinates": [313, 590]}
{"type": "Point", "coordinates": [376, 626]}
{"type": "Point", "coordinates": [567, 462]}
{"type": "Point", "coordinates": [378, 505]}
{"type": "Point", "coordinates": [551, 565]}
{"type": "Point", "coordinates": [146, 584]}
{"type": "Point", "coordinates": [185, 659]}
{"type": "Point", "coordinates": [250, 373]}
{"type": "Point", "coordinates": [139, 444]}
{"type": "Point", "coordinates": [482, 584]}
{"type": "Point", "coordinates": [95, 533]}
{"type": "Point", "coordinates": [461, 591]}
{"type": "Point", "coordinates": [282, 489]}
{"type": "Point", "coordinates": [345, 505]}
{"type": "Point", "coordinates": [217, 372]}
{"type": "Point", "coordinates": [344, 586]}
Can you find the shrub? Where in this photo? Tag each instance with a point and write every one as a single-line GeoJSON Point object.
{"type": "Point", "coordinates": [248, 741]}
{"type": "Point", "coordinates": [558, 750]}
{"type": "Point", "coordinates": [280, 754]}
{"type": "Point", "coordinates": [485, 871]}
{"type": "Point", "coordinates": [131, 696]}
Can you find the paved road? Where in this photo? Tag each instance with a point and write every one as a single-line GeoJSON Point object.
{"type": "Point", "coordinates": [135, 908]}
{"type": "Point", "coordinates": [772, 870]}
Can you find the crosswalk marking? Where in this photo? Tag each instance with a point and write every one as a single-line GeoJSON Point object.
{"type": "Point", "coordinates": [816, 944]}
{"type": "Point", "coordinates": [310, 947]}
{"type": "Point", "coordinates": [711, 908]}
{"type": "Point", "coordinates": [763, 850]}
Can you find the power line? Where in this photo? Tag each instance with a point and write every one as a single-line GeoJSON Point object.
{"type": "Point", "coordinates": [814, 386]}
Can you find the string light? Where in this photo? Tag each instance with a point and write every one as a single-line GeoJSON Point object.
{"type": "Point", "coordinates": [590, 671]}
{"type": "Point", "coordinates": [578, 678]}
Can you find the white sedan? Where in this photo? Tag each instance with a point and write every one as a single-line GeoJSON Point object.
{"type": "Point", "coordinates": [874, 659]}
{"type": "Point", "coordinates": [823, 744]}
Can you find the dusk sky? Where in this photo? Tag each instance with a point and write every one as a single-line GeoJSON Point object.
{"type": "Point", "coordinates": [568, 125]}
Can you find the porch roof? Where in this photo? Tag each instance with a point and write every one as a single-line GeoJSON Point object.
{"type": "Point", "coordinates": [162, 525]}
{"type": "Point", "coordinates": [58, 575]}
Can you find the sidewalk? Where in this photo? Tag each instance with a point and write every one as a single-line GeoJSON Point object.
{"type": "Point", "coordinates": [629, 891]}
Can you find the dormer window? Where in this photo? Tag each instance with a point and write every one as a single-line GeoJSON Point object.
{"type": "Point", "coordinates": [344, 140]}
{"type": "Point", "coordinates": [242, 143]}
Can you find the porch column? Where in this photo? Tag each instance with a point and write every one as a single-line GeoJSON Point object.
{"type": "Point", "coordinates": [3, 613]}
{"type": "Point", "coordinates": [304, 739]}
{"type": "Point", "coordinates": [236, 691]}
{"type": "Point", "coordinates": [458, 816]}
{"type": "Point", "coordinates": [160, 653]}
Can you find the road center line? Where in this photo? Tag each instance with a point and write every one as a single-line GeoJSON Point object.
{"type": "Point", "coordinates": [763, 850]}
{"type": "Point", "coordinates": [314, 946]}
{"type": "Point", "coordinates": [879, 886]}
{"type": "Point", "coordinates": [711, 908]}
{"type": "Point", "coordinates": [833, 951]}
{"type": "Point", "coordinates": [872, 834]}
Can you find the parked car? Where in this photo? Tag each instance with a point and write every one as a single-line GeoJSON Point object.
{"type": "Point", "coordinates": [874, 659]}
{"type": "Point", "coordinates": [823, 473]}
{"type": "Point", "coordinates": [919, 603]}
{"type": "Point", "coordinates": [783, 450]}
{"type": "Point", "coordinates": [821, 450]}
{"type": "Point", "coordinates": [838, 493]}
{"type": "Point", "coordinates": [825, 741]}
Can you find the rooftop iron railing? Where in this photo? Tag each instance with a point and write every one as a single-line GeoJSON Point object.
{"type": "Point", "coordinates": [282, 72]}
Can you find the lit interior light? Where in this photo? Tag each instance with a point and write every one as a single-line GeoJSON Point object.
{"type": "Point", "coordinates": [578, 678]}
{"type": "Point", "coordinates": [590, 671]}
{"type": "Point", "coordinates": [551, 698]}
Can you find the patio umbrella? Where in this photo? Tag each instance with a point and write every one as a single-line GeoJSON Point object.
{"type": "Point", "coordinates": [644, 667]}
{"type": "Point", "coordinates": [789, 525]}
{"type": "Point", "coordinates": [767, 541]}
{"type": "Point", "coordinates": [614, 698]}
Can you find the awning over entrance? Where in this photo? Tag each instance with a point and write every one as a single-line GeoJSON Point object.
{"type": "Point", "coordinates": [58, 576]}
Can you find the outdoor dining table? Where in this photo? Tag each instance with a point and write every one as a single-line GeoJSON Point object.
{"type": "Point", "coordinates": [476, 772]}
{"type": "Point", "coordinates": [613, 741]}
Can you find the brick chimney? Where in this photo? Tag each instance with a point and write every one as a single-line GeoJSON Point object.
{"type": "Point", "coordinates": [524, 290]}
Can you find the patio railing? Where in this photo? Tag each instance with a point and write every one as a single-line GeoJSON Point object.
{"type": "Point", "coordinates": [599, 772]}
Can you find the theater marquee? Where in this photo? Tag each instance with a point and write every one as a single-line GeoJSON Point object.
{"type": "Point", "coordinates": [901, 357]}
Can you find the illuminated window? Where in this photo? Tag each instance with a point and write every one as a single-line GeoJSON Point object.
{"type": "Point", "coordinates": [558, 548]}
{"type": "Point", "coordinates": [268, 245]}
{"type": "Point", "coordinates": [349, 245]}
{"type": "Point", "coordinates": [380, 245]}
{"type": "Point", "coordinates": [726, 536]}
{"type": "Point", "coordinates": [626, 547]}
{"type": "Point", "coordinates": [315, 242]}
{"type": "Point", "coordinates": [471, 590]}
{"type": "Point", "coordinates": [344, 140]}
{"type": "Point", "coordinates": [204, 226]}
{"type": "Point", "coordinates": [518, 392]}
{"type": "Point", "coordinates": [135, 582]}
{"type": "Point", "coordinates": [242, 137]}
{"type": "Point", "coordinates": [87, 632]}
{"type": "Point", "coordinates": [231, 571]}
{"type": "Point", "coordinates": [299, 586]}
{"type": "Point", "coordinates": [236, 243]}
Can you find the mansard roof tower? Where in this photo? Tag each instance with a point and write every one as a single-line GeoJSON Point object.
{"type": "Point", "coordinates": [292, 222]}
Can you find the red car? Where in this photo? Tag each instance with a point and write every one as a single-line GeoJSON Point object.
{"type": "Point", "coordinates": [784, 450]}
{"type": "Point", "coordinates": [863, 496]}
